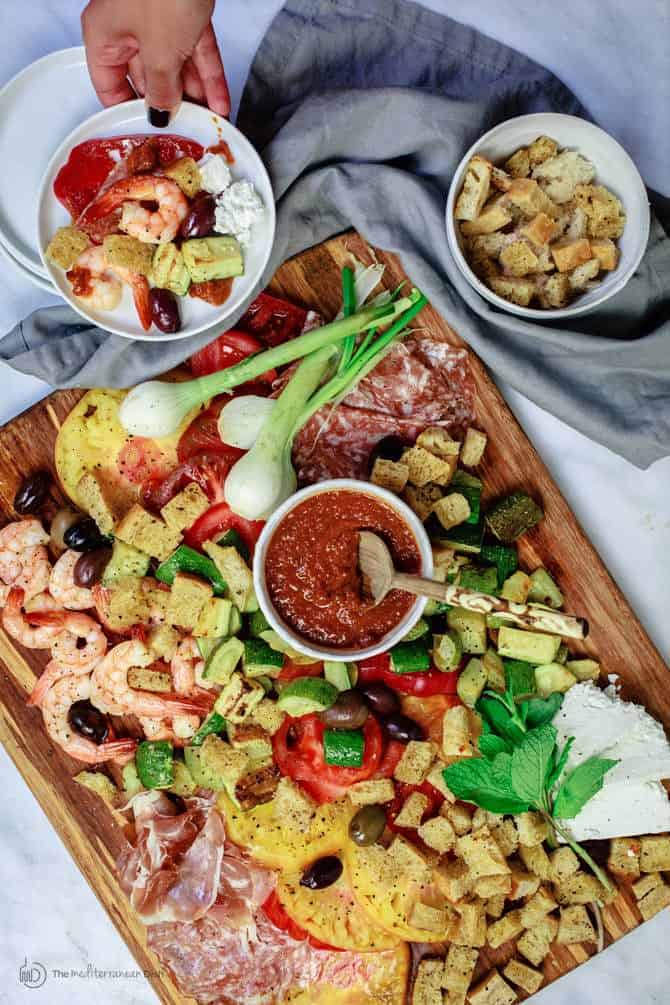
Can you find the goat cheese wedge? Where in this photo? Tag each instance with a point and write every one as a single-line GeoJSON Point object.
{"type": "Point", "coordinates": [215, 174]}
{"type": "Point", "coordinates": [632, 800]}
{"type": "Point", "coordinates": [237, 210]}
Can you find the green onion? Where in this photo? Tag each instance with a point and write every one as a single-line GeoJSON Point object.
{"type": "Point", "coordinates": [348, 308]}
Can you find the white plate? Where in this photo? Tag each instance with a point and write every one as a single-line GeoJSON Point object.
{"type": "Point", "coordinates": [38, 107]}
{"type": "Point", "coordinates": [28, 274]}
{"type": "Point", "coordinates": [193, 122]}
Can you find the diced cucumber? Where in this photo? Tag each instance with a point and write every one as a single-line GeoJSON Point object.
{"type": "Point", "coordinates": [519, 677]}
{"type": "Point", "coordinates": [213, 724]}
{"type": "Point", "coordinates": [214, 619]}
{"type": "Point", "coordinates": [260, 660]}
{"type": "Point", "coordinates": [503, 556]}
{"type": "Point", "coordinates": [482, 578]}
{"type": "Point", "coordinates": [434, 608]}
{"type": "Point", "coordinates": [131, 780]}
{"type": "Point", "coordinates": [463, 479]}
{"type": "Point", "coordinates": [447, 650]}
{"type": "Point", "coordinates": [155, 764]}
{"type": "Point", "coordinates": [513, 516]}
{"type": "Point", "coordinates": [553, 677]}
{"type": "Point", "coordinates": [233, 539]}
{"type": "Point", "coordinates": [471, 682]}
{"type": "Point", "coordinates": [467, 537]}
{"type": "Point", "coordinates": [100, 783]}
{"type": "Point", "coordinates": [543, 589]}
{"type": "Point", "coordinates": [277, 643]}
{"type": "Point", "coordinates": [207, 646]}
{"type": "Point", "coordinates": [236, 621]}
{"type": "Point", "coordinates": [215, 765]}
{"type": "Point", "coordinates": [258, 623]}
{"type": "Point", "coordinates": [516, 587]}
{"type": "Point", "coordinates": [533, 647]}
{"type": "Point", "coordinates": [221, 663]}
{"type": "Point", "coordinates": [496, 621]}
{"type": "Point", "coordinates": [306, 695]}
{"type": "Point", "coordinates": [343, 748]}
{"type": "Point", "coordinates": [337, 674]}
{"type": "Point", "coordinates": [410, 657]}
{"type": "Point", "coordinates": [584, 669]}
{"type": "Point", "coordinates": [495, 670]}
{"type": "Point", "coordinates": [125, 561]}
{"type": "Point", "coordinates": [419, 629]}
{"type": "Point", "coordinates": [470, 626]}
{"type": "Point", "coordinates": [251, 604]}
{"type": "Point", "coordinates": [183, 783]}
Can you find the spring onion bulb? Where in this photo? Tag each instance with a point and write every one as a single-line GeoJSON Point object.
{"type": "Point", "coordinates": [241, 419]}
{"type": "Point", "coordinates": [156, 408]}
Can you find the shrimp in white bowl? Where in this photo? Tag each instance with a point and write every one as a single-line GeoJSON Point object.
{"type": "Point", "coordinates": [100, 286]}
{"type": "Point", "coordinates": [63, 588]}
{"type": "Point", "coordinates": [56, 706]}
{"type": "Point", "coordinates": [151, 226]}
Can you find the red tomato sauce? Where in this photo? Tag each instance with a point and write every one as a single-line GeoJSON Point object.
{"type": "Point", "coordinates": [312, 571]}
{"type": "Point", "coordinates": [213, 291]}
{"type": "Point", "coordinates": [222, 148]}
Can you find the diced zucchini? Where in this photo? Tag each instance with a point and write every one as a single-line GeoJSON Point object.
{"type": "Point", "coordinates": [337, 674]}
{"type": "Point", "coordinates": [496, 621]}
{"type": "Point", "coordinates": [251, 604]}
{"type": "Point", "coordinates": [183, 783]}
{"type": "Point", "coordinates": [236, 621]}
{"type": "Point", "coordinates": [553, 677]}
{"type": "Point", "coordinates": [99, 783]}
{"type": "Point", "coordinates": [238, 699]}
{"type": "Point", "coordinates": [155, 764]}
{"type": "Point", "coordinates": [503, 556]}
{"type": "Point", "coordinates": [482, 578]}
{"type": "Point", "coordinates": [207, 646]}
{"type": "Point", "coordinates": [467, 537]}
{"type": "Point", "coordinates": [212, 258]}
{"type": "Point", "coordinates": [495, 670]}
{"type": "Point", "coordinates": [513, 516]}
{"type": "Point", "coordinates": [584, 669]}
{"type": "Point", "coordinates": [470, 626]}
{"type": "Point", "coordinates": [222, 662]}
{"type": "Point", "coordinates": [343, 748]}
{"type": "Point", "coordinates": [419, 629]}
{"type": "Point", "coordinates": [447, 650]}
{"type": "Point", "coordinates": [306, 695]}
{"type": "Point", "coordinates": [258, 623]}
{"type": "Point", "coordinates": [471, 682]}
{"type": "Point", "coordinates": [519, 677]}
{"type": "Point", "coordinates": [260, 660]}
{"type": "Point", "coordinates": [410, 657]}
{"type": "Point", "coordinates": [543, 589]}
{"type": "Point", "coordinates": [213, 724]}
{"type": "Point", "coordinates": [434, 608]}
{"type": "Point", "coordinates": [214, 619]}
{"type": "Point", "coordinates": [145, 679]}
{"type": "Point", "coordinates": [125, 561]}
{"type": "Point", "coordinates": [131, 780]}
{"type": "Point", "coordinates": [533, 647]}
{"type": "Point", "coordinates": [169, 271]}
{"type": "Point", "coordinates": [463, 479]}
{"type": "Point", "coordinates": [516, 587]}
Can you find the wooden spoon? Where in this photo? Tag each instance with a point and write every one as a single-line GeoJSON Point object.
{"type": "Point", "coordinates": [379, 576]}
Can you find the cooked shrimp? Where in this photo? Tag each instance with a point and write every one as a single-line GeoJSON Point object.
{"type": "Point", "coordinates": [187, 666]}
{"type": "Point", "coordinates": [66, 648]}
{"type": "Point", "coordinates": [179, 730]}
{"type": "Point", "coordinates": [63, 588]}
{"type": "Point", "coordinates": [151, 226]}
{"type": "Point", "coordinates": [24, 561]}
{"type": "Point", "coordinates": [52, 672]}
{"type": "Point", "coordinates": [56, 706]}
{"type": "Point", "coordinates": [98, 284]}
{"type": "Point", "coordinates": [111, 683]}
{"type": "Point", "coordinates": [17, 623]}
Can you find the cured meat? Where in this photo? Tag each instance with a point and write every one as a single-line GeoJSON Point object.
{"type": "Point", "coordinates": [421, 382]}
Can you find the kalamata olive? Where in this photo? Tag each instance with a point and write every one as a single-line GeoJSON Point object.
{"type": "Point", "coordinates": [62, 521]}
{"type": "Point", "coordinates": [84, 536]}
{"type": "Point", "coordinates": [32, 492]}
{"type": "Point", "coordinates": [367, 825]}
{"type": "Point", "coordinates": [349, 711]}
{"type": "Point", "coordinates": [401, 727]}
{"type": "Point", "coordinates": [90, 566]}
{"type": "Point", "coordinates": [381, 698]}
{"type": "Point", "coordinates": [88, 721]}
{"type": "Point", "coordinates": [322, 873]}
{"type": "Point", "coordinates": [199, 221]}
{"type": "Point", "coordinates": [388, 449]}
{"type": "Point", "coordinates": [165, 310]}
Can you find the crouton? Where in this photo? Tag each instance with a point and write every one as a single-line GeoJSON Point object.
{"type": "Point", "coordinates": [624, 857]}
{"type": "Point", "coordinates": [475, 189]}
{"type": "Point", "coordinates": [438, 833]}
{"type": "Point", "coordinates": [145, 679]}
{"type": "Point", "coordinates": [98, 502]}
{"type": "Point", "coordinates": [293, 807]}
{"type": "Point", "coordinates": [415, 763]}
{"type": "Point", "coordinates": [517, 290]}
{"type": "Point", "coordinates": [407, 860]}
{"type": "Point", "coordinates": [606, 217]}
{"type": "Point", "coordinates": [224, 761]}
{"type": "Point", "coordinates": [150, 535]}
{"type": "Point", "coordinates": [482, 854]}
{"type": "Point", "coordinates": [471, 926]}
{"type": "Point", "coordinates": [163, 641]}
{"type": "Point", "coordinates": [560, 175]}
{"type": "Point", "coordinates": [580, 888]}
{"type": "Point", "coordinates": [524, 977]}
{"type": "Point", "coordinates": [540, 229]}
{"type": "Point", "coordinates": [500, 179]}
{"type": "Point", "coordinates": [506, 837]}
{"type": "Point", "coordinates": [128, 604]}
{"type": "Point", "coordinates": [391, 475]}
{"type": "Point", "coordinates": [537, 907]}
{"type": "Point", "coordinates": [428, 983]}
{"type": "Point", "coordinates": [101, 784]}
{"type": "Point", "coordinates": [127, 252]}
{"type": "Point", "coordinates": [646, 884]}
{"type": "Point", "coordinates": [524, 884]}
{"type": "Point", "coordinates": [431, 919]}
{"type": "Point", "coordinates": [495, 906]}
{"type": "Point", "coordinates": [545, 262]}
{"type": "Point", "coordinates": [492, 886]}
{"type": "Point", "coordinates": [252, 739]}
{"type": "Point", "coordinates": [452, 510]}
{"type": "Point", "coordinates": [493, 990]}
{"type": "Point", "coordinates": [425, 467]}
{"type": "Point", "coordinates": [516, 587]}
{"type": "Point", "coordinates": [268, 715]}
{"type": "Point", "coordinates": [557, 291]}
{"type": "Point", "coordinates": [459, 816]}
{"type": "Point", "coordinates": [484, 818]}
{"type": "Point", "coordinates": [494, 216]}
{"type": "Point", "coordinates": [473, 448]}
{"type": "Point", "coordinates": [437, 441]}
{"type": "Point", "coordinates": [234, 570]}
{"type": "Point", "coordinates": [369, 793]}
{"type": "Point", "coordinates": [186, 173]}
{"type": "Point", "coordinates": [534, 944]}
{"type": "Point", "coordinates": [412, 810]}
{"type": "Point", "coordinates": [436, 778]}
{"type": "Point", "coordinates": [606, 252]}
{"type": "Point", "coordinates": [537, 861]}
{"type": "Point", "coordinates": [188, 596]}
{"type": "Point", "coordinates": [483, 266]}
{"type": "Point", "coordinates": [542, 149]}
{"type": "Point", "coordinates": [452, 879]}
{"type": "Point", "coordinates": [459, 967]}
{"type": "Point", "coordinates": [583, 274]}
{"type": "Point", "coordinates": [456, 733]}
{"type": "Point", "coordinates": [421, 500]}
{"type": "Point", "coordinates": [530, 199]}
{"type": "Point", "coordinates": [518, 165]}
{"type": "Point", "coordinates": [655, 854]}
{"type": "Point", "coordinates": [656, 901]}
{"type": "Point", "coordinates": [564, 863]}
{"type": "Point", "coordinates": [575, 926]}
{"type": "Point", "coordinates": [507, 928]}
{"type": "Point", "coordinates": [518, 259]}
{"type": "Point", "coordinates": [532, 829]}
{"type": "Point", "coordinates": [487, 244]}
{"type": "Point", "coordinates": [577, 226]}
{"type": "Point", "coordinates": [65, 247]}
{"type": "Point", "coordinates": [184, 509]}
{"type": "Point", "coordinates": [248, 699]}
{"type": "Point", "coordinates": [569, 254]}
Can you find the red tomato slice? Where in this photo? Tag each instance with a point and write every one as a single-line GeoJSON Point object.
{"type": "Point", "coordinates": [273, 320]}
{"type": "Point", "coordinates": [139, 459]}
{"type": "Point", "coordinates": [291, 671]}
{"type": "Point", "coordinates": [276, 912]}
{"type": "Point", "coordinates": [430, 682]}
{"type": "Point", "coordinates": [403, 790]}
{"type": "Point", "coordinates": [298, 751]}
{"type": "Point", "coordinates": [229, 348]}
{"type": "Point", "coordinates": [217, 520]}
{"type": "Point", "coordinates": [392, 754]}
{"type": "Point", "coordinates": [428, 711]}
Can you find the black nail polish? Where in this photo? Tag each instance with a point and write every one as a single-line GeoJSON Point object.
{"type": "Point", "coordinates": [158, 117]}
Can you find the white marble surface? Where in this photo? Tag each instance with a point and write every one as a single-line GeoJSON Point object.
{"type": "Point", "coordinates": [49, 915]}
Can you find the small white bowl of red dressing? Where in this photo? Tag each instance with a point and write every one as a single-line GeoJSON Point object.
{"type": "Point", "coordinates": [306, 573]}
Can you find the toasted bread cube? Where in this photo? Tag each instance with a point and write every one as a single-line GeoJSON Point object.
{"type": "Point", "coordinates": [532, 829]}
{"type": "Point", "coordinates": [569, 254]}
{"type": "Point", "coordinates": [235, 571]}
{"type": "Point", "coordinates": [184, 509]}
{"type": "Point", "coordinates": [293, 807]}
{"type": "Point", "coordinates": [144, 531]}
{"type": "Point", "coordinates": [483, 818]}
{"type": "Point", "coordinates": [624, 857]}
{"type": "Point", "coordinates": [453, 880]}
{"type": "Point", "coordinates": [489, 245]}
{"type": "Point", "coordinates": [482, 855]}
{"type": "Point", "coordinates": [432, 919]}
{"type": "Point", "coordinates": [483, 266]}
{"type": "Point", "coordinates": [459, 968]}
{"type": "Point", "coordinates": [578, 224]}
{"type": "Point", "coordinates": [415, 763]}
{"type": "Point", "coordinates": [606, 252]}
{"type": "Point", "coordinates": [506, 837]}
{"type": "Point", "coordinates": [456, 733]}
{"type": "Point", "coordinates": [606, 217]}
{"type": "Point", "coordinates": [564, 863]}
{"type": "Point", "coordinates": [537, 907]}
{"type": "Point", "coordinates": [584, 273]}
{"type": "Point", "coordinates": [560, 175]}
{"type": "Point", "coordinates": [475, 189]}
{"type": "Point", "coordinates": [408, 859]}
{"type": "Point", "coordinates": [436, 779]}
{"type": "Point", "coordinates": [493, 990]}
{"type": "Point", "coordinates": [163, 641]}
{"type": "Point", "coordinates": [542, 149]}
{"type": "Point", "coordinates": [425, 467]}
{"type": "Point", "coordinates": [188, 596]}
{"type": "Point", "coordinates": [495, 906]}
{"type": "Point", "coordinates": [534, 944]}
{"type": "Point", "coordinates": [128, 604]}
{"type": "Point", "coordinates": [459, 816]}
{"type": "Point", "coordinates": [540, 229]}
{"type": "Point", "coordinates": [66, 246]}
{"type": "Point", "coordinates": [575, 926]}
{"type": "Point", "coordinates": [471, 927]}
{"type": "Point", "coordinates": [473, 448]}
{"type": "Point", "coordinates": [428, 983]}
{"type": "Point", "coordinates": [437, 441]}
{"type": "Point", "coordinates": [518, 165]}
{"type": "Point", "coordinates": [492, 886]}
{"type": "Point", "coordinates": [421, 500]}
{"type": "Point", "coordinates": [127, 252]}
{"type": "Point", "coordinates": [530, 199]}
{"type": "Point", "coordinates": [98, 502]}
{"type": "Point", "coordinates": [412, 810]}
{"type": "Point", "coordinates": [253, 739]}
{"type": "Point", "coordinates": [374, 791]}
{"type": "Point", "coordinates": [581, 888]}
{"type": "Point", "coordinates": [524, 884]}
{"type": "Point", "coordinates": [646, 884]}
{"type": "Point", "coordinates": [524, 977]}
{"type": "Point", "coordinates": [655, 854]}
{"type": "Point", "coordinates": [518, 259]}
{"type": "Point", "coordinates": [509, 926]}
{"type": "Point", "coordinates": [537, 861]}
{"type": "Point", "coordinates": [452, 510]}
{"type": "Point", "coordinates": [516, 587]}
{"type": "Point", "coordinates": [557, 291]}
{"type": "Point", "coordinates": [517, 290]}
{"type": "Point", "coordinates": [500, 179]}
{"type": "Point", "coordinates": [654, 902]}
{"type": "Point", "coordinates": [268, 715]}
{"type": "Point", "coordinates": [494, 216]}
{"type": "Point", "coordinates": [438, 833]}
{"type": "Point", "coordinates": [186, 173]}
{"type": "Point", "coordinates": [391, 475]}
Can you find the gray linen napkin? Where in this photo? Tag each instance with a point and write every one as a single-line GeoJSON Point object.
{"type": "Point", "coordinates": [362, 111]}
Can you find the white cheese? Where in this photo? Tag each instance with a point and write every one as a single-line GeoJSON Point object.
{"type": "Point", "coordinates": [215, 174]}
{"type": "Point", "coordinates": [237, 210]}
{"type": "Point", "coordinates": [632, 800]}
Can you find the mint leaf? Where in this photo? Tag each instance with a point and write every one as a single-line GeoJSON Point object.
{"type": "Point", "coordinates": [541, 710]}
{"type": "Point", "coordinates": [476, 781]}
{"type": "Point", "coordinates": [499, 718]}
{"type": "Point", "coordinates": [520, 677]}
{"type": "Point", "coordinates": [559, 763]}
{"type": "Point", "coordinates": [490, 745]}
{"type": "Point", "coordinates": [580, 786]}
{"type": "Point", "coordinates": [531, 762]}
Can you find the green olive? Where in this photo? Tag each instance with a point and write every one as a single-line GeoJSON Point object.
{"type": "Point", "coordinates": [367, 825]}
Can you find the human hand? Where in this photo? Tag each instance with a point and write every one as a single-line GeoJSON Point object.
{"type": "Point", "coordinates": [165, 47]}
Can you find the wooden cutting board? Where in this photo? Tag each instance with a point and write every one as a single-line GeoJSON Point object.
{"type": "Point", "coordinates": [94, 835]}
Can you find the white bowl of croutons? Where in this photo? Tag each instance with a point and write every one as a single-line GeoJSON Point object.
{"type": "Point", "coordinates": [547, 216]}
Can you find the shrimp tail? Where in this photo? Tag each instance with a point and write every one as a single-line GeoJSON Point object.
{"type": "Point", "coordinates": [54, 618]}
{"type": "Point", "coordinates": [186, 706]}
{"type": "Point", "coordinates": [142, 299]}
{"type": "Point", "coordinates": [113, 749]}
{"type": "Point", "coordinates": [51, 673]}
{"type": "Point", "coordinates": [135, 187]}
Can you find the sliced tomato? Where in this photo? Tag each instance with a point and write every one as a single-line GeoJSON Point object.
{"type": "Point", "coordinates": [291, 671]}
{"type": "Point", "coordinates": [392, 753]}
{"type": "Point", "coordinates": [273, 320]}
{"type": "Point", "coordinates": [403, 790]}
{"type": "Point", "coordinates": [229, 348]}
{"type": "Point", "coordinates": [217, 520]}
{"type": "Point", "coordinates": [428, 711]}
{"type": "Point", "coordinates": [430, 682]}
{"type": "Point", "coordinates": [298, 751]}
{"type": "Point", "coordinates": [140, 459]}
{"type": "Point", "coordinates": [275, 911]}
